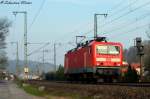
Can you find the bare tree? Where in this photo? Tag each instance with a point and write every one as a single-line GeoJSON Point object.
{"type": "Point", "coordinates": [4, 30]}
{"type": "Point", "coordinates": [147, 50]}
{"type": "Point", "coordinates": [131, 55]}
{"type": "Point", "coordinates": [148, 32]}
{"type": "Point", "coordinates": [125, 51]}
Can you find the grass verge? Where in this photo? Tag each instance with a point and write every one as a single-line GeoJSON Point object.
{"type": "Point", "coordinates": [30, 89]}
{"type": "Point", "coordinates": [33, 90]}
{"type": "Point", "coordinates": [53, 94]}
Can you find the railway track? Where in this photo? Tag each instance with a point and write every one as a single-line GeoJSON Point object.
{"type": "Point", "coordinates": [128, 84]}
{"type": "Point", "coordinates": [97, 91]}
{"type": "Point", "coordinates": [143, 84]}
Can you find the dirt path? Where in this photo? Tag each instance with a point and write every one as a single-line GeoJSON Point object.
{"type": "Point", "coordinates": [9, 90]}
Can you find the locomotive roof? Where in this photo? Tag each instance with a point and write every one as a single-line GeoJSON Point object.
{"type": "Point", "coordinates": [90, 42]}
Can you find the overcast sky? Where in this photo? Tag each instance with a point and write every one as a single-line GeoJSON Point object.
{"type": "Point", "coordinates": [60, 21]}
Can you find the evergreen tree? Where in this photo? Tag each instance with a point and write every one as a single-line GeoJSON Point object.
{"type": "Point", "coordinates": [4, 30]}
{"type": "Point", "coordinates": [131, 75]}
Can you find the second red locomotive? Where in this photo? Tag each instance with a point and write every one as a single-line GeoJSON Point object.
{"type": "Point", "coordinates": [94, 60]}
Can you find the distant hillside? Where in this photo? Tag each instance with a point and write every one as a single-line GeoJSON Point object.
{"type": "Point", "coordinates": [33, 66]}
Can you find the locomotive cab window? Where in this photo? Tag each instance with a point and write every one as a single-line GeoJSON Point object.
{"type": "Point", "coordinates": [107, 49]}
{"type": "Point", "coordinates": [113, 50]}
{"type": "Point", "coordinates": [101, 49]}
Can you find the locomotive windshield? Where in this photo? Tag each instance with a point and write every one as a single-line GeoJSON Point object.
{"type": "Point", "coordinates": [107, 49]}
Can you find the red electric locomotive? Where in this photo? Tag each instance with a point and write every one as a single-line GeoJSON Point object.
{"type": "Point", "coordinates": [94, 60]}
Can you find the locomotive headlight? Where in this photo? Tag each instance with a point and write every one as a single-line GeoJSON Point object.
{"type": "Point", "coordinates": [100, 59]}
{"type": "Point", "coordinates": [115, 59]}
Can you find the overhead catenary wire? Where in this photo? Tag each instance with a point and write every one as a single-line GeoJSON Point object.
{"type": "Point", "coordinates": [35, 51]}
{"type": "Point", "coordinates": [131, 30]}
{"type": "Point", "coordinates": [128, 24]}
{"type": "Point", "coordinates": [91, 30]}
{"type": "Point", "coordinates": [116, 6]}
{"type": "Point", "coordinates": [123, 8]}
{"type": "Point", "coordinates": [37, 43]}
{"type": "Point", "coordinates": [114, 13]}
{"type": "Point", "coordinates": [37, 14]}
{"type": "Point", "coordinates": [125, 14]}
{"type": "Point", "coordinates": [111, 9]}
{"type": "Point", "coordinates": [140, 18]}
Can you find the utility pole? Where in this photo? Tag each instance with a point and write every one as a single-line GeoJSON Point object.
{"type": "Point", "coordinates": [44, 58]}
{"type": "Point", "coordinates": [25, 41]}
{"type": "Point", "coordinates": [38, 70]}
{"type": "Point", "coordinates": [55, 57]}
{"type": "Point", "coordinates": [17, 58]}
{"type": "Point", "coordinates": [95, 24]}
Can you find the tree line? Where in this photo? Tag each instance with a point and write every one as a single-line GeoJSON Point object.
{"type": "Point", "coordinates": [130, 55]}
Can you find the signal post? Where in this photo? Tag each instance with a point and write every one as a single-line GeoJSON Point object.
{"type": "Point", "coordinates": [140, 53]}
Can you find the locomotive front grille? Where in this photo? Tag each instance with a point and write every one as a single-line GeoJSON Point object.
{"type": "Point", "coordinates": [108, 71]}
